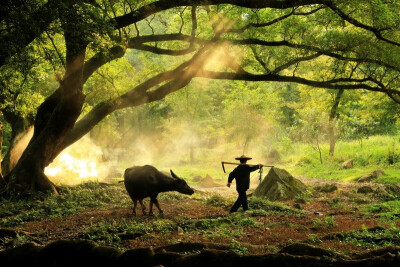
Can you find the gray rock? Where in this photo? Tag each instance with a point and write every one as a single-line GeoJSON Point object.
{"type": "Point", "coordinates": [370, 176]}
{"type": "Point", "coordinates": [365, 190]}
{"type": "Point", "coordinates": [328, 188]}
{"type": "Point", "coordinates": [348, 164]}
{"type": "Point", "coordinates": [297, 206]}
{"type": "Point", "coordinates": [278, 184]}
{"type": "Point", "coordinates": [393, 189]}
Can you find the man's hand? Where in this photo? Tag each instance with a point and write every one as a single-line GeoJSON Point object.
{"type": "Point", "coordinates": [228, 184]}
{"type": "Point", "coordinates": [260, 165]}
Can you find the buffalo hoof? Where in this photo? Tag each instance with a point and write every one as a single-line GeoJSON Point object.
{"type": "Point", "coordinates": [151, 213]}
{"type": "Point", "coordinates": [144, 213]}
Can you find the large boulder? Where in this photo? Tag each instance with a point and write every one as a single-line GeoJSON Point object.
{"type": "Point", "coordinates": [278, 184]}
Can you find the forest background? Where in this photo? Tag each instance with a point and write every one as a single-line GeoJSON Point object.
{"type": "Point", "coordinates": [313, 130]}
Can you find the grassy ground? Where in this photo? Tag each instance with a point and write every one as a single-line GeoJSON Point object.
{"type": "Point", "coordinates": [378, 152]}
{"type": "Point", "coordinates": [344, 220]}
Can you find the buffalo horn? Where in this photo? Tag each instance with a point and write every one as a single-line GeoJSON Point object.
{"type": "Point", "coordinates": [174, 175]}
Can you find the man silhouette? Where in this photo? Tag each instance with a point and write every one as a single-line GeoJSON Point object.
{"type": "Point", "coordinates": [242, 175]}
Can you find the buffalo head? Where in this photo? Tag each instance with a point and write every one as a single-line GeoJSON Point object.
{"type": "Point", "coordinates": [181, 186]}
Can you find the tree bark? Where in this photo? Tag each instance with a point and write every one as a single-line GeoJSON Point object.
{"type": "Point", "coordinates": [332, 121]}
{"type": "Point", "coordinates": [21, 134]}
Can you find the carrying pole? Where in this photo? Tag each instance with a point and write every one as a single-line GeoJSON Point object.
{"type": "Point", "coordinates": [235, 163]}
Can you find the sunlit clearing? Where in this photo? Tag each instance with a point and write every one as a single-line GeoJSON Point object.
{"type": "Point", "coordinates": [76, 164]}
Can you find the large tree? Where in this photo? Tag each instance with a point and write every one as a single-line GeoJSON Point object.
{"type": "Point", "coordinates": [330, 44]}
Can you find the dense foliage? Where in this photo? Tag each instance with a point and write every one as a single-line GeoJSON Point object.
{"type": "Point", "coordinates": [270, 72]}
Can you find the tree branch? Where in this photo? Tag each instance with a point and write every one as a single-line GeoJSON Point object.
{"type": "Point", "coordinates": [161, 5]}
{"type": "Point", "coordinates": [162, 51]}
{"type": "Point", "coordinates": [353, 84]}
{"type": "Point", "coordinates": [253, 41]}
{"type": "Point", "coordinates": [294, 61]}
{"type": "Point", "coordinates": [175, 79]}
{"type": "Point", "coordinates": [98, 60]}
{"type": "Point", "coordinates": [375, 31]}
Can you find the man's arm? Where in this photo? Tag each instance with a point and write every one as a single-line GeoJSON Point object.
{"type": "Point", "coordinates": [231, 177]}
{"type": "Point", "coordinates": [255, 167]}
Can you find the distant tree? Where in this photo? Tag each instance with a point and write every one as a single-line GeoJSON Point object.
{"type": "Point", "coordinates": [332, 121]}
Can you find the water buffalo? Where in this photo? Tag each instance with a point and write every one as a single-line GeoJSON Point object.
{"type": "Point", "coordinates": [147, 181]}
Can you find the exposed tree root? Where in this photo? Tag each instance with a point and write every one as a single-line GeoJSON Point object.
{"type": "Point", "coordinates": [86, 253]}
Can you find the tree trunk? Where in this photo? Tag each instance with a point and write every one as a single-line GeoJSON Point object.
{"type": "Point", "coordinates": [332, 121]}
{"type": "Point", "coordinates": [56, 116]}
{"type": "Point", "coordinates": [21, 134]}
{"type": "Point", "coordinates": [55, 127]}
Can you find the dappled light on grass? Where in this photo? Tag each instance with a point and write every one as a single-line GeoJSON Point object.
{"type": "Point", "coordinates": [77, 164]}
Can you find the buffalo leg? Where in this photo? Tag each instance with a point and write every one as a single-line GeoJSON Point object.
{"type": "Point", "coordinates": [157, 205]}
{"type": "Point", "coordinates": [134, 207]}
{"type": "Point", "coordinates": [151, 207]}
{"type": "Point", "coordinates": [143, 207]}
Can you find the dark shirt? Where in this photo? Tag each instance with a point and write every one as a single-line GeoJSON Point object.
{"type": "Point", "coordinates": [242, 175]}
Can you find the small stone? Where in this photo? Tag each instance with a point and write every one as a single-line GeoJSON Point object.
{"type": "Point", "coordinates": [348, 164]}
{"type": "Point", "coordinates": [328, 188]}
{"type": "Point", "coordinates": [297, 206]}
{"type": "Point", "coordinates": [365, 190]}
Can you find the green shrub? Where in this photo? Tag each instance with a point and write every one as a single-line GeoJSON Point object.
{"type": "Point", "coordinates": [376, 237]}
{"type": "Point", "coordinates": [267, 205]}
{"type": "Point", "coordinates": [217, 201]}
{"type": "Point", "coordinates": [71, 200]}
{"type": "Point", "coordinates": [237, 247]}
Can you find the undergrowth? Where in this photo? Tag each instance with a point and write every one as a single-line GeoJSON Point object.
{"type": "Point", "coordinates": [70, 201]}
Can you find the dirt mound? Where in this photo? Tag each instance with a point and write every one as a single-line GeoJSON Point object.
{"type": "Point", "coordinates": [278, 184]}
{"type": "Point", "coordinates": [208, 182]}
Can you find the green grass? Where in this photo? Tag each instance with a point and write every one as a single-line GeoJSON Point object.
{"type": "Point", "coordinates": [71, 200]}
{"type": "Point", "coordinates": [369, 155]}
{"type": "Point", "coordinates": [110, 232]}
{"type": "Point", "coordinates": [374, 238]}
{"type": "Point", "coordinates": [390, 210]}
{"type": "Point", "coordinates": [270, 206]}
